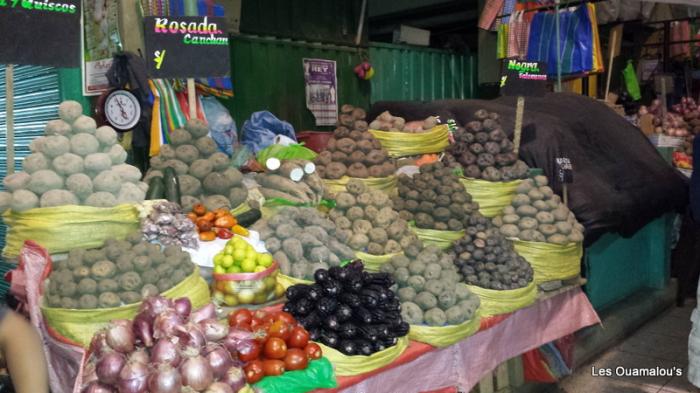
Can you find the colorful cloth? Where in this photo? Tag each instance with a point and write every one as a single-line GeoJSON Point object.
{"type": "Point", "coordinates": [518, 33]}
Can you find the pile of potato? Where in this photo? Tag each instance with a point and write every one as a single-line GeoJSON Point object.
{"type": "Point", "coordinates": [296, 181]}
{"type": "Point", "coordinates": [488, 260]}
{"type": "Point", "coordinates": [537, 214]}
{"type": "Point", "coordinates": [302, 241]}
{"type": "Point", "coordinates": [353, 151]}
{"type": "Point", "coordinates": [387, 122]}
{"type": "Point", "coordinates": [204, 173]}
{"type": "Point", "coordinates": [484, 151]}
{"type": "Point", "coordinates": [121, 272]}
{"type": "Point", "coordinates": [366, 218]}
{"type": "Point", "coordinates": [430, 287]}
{"type": "Point", "coordinates": [75, 163]}
{"type": "Point", "coordinates": [435, 199]}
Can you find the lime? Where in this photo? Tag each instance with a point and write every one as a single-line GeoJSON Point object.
{"type": "Point", "coordinates": [251, 254]}
{"type": "Point", "coordinates": [228, 250]}
{"type": "Point", "coordinates": [227, 261]}
{"type": "Point", "coordinates": [248, 265]}
{"type": "Point", "coordinates": [270, 283]}
{"type": "Point", "coordinates": [218, 258]}
{"type": "Point", "coordinates": [246, 296]}
{"type": "Point", "coordinates": [234, 269]}
{"type": "Point", "coordinates": [239, 255]}
{"type": "Point", "coordinates": [230, 300]}
{"type": "Point", "coordinates": [218, 269]}
{"type": "Point", "coordinates": [265, 260]}
{"type": "Point", "coordinates": [259, 268]}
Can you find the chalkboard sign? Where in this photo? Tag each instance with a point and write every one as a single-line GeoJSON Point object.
{"type": "Point", "coordinates": [186, 46]}
{"type": "Point", "coordinates": [40, 33]}
{"type": "Point", "coordinates": [565, 171]}
{"type": "Point", "coordinates": [523, 78]}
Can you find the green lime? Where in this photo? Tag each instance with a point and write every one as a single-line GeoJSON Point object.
{"type": "Point", "coordinates": [248, 265]}
{"type": "Point", "coordinates": [265, 260]}
{"type": "Point", "coordinates": [227, 261]}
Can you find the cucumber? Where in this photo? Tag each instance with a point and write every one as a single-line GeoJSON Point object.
{"type": "Point", "coordinates": [248, 218]}
{"type": "Point", "coordinates": [172, 185]}
{"type": "Point", "coordinates": [156, 189]}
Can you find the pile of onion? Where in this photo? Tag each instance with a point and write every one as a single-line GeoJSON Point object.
{"type": "Point", "coordinates": [167, 348]}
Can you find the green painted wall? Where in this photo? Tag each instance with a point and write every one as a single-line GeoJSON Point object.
{"type": "Point", "coordinates": [415, 73]}
{"type": "Point", "coordinates": [267, 75]}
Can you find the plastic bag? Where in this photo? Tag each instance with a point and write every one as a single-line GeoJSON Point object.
{"type": "Point", "coordinates": [259, 132]}
{"type": "Point", "coordinates": [354, 365]}
{"type": "Point", "coordinates": [631, 82]}
{"type": "Point", "coordinates": [318, 374]}
{"type": "Point", "coordinates": [492, 197]}
{"type": "Point", "coordinates": [401, 144]}
{"type": "Point", "coordinates": [495, 302]}
{"type": "Point", "coordinates": [551, 261]}
{"type": "Point", "coordinates": [79, 326]}
{"type": "Point", "coordinates": [443, 336]}
{"type": "Point", "coordinates": [63, 228]}
{"type": "Point", "coordinates": [442, 239]}
{"type": "Point", "coordinates": [222, 127]}
{"type": "Point", "coordinates": [248, 288]}
{"type": "Point", "coordinates": [290, 152]}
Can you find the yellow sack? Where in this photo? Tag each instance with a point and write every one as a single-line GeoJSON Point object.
{"type": "Point", "coordinates": [288, 281]}
{"type": "Point", "coordinates": [491, 196]}
{"type": "Point", "coordinates": [384, 184]}
{"type": "Point", "coordinates": [374, 262]}
{"type": "Point", "coordinates": [81, 325]}
{"type": "Point", "coordinates": [63, 228]}
{"type": "Point", "coordinates": [442, 239]}
{"type": "Point", "coordinates": [402, 144]}
{"type": "Point", "coordinates": [551, 261]}
{"type": "Point", "coordinates": [345, 365]}
{"type": "Point", "coordinates": [494, 302]}
{"type": "Point", "coordinates": [443, 336]}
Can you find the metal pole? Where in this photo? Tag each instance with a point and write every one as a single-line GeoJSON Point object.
{"type": "Point", "coordinates": [10, 118]}
{"type": "Point", "coordinates": [358, 37]}
{"type": "Point", "coordinates": [556, 22]}
{"type": "Point", "coordinates": [191, 10]}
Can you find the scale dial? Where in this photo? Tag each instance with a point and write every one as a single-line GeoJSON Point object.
{"type": "Point", "coordinates": [122, 110]}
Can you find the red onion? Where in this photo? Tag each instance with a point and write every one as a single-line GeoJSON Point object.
{"type": "Point", "coordinates": [99, 343]}
{"type": "Point", "coordinates": [143, 329]}
{"type": "Point", "coordinates": [219, 359]}
{"type": "Point", "coordinates": [183, 306]}
{"type": "Point", "coordinates": [89, 373]}
{"type": "Point", "coordinates": [140, 355]}
{"type": "Point", "coordinates": [166, 351]}
{"type": "Point", "coordinates": [166, 324]}
{"type": "Point", "coordinates": [166, 379]}
{"type": "Point", "coordinates": [155, 305]}
{"type": "Point", "coordinates": [96, 387]}
{"type": "Point", "coordinates": [133, 378]}
{"type": "Point", "coordinates": [234, 377]}
{"type": "Point", "coordinates": [206, 312]}
{"type": "Point", "coordinates": [213, 330]}
{"type": "Point", "coordinates": [191, 335]}
{"type": "Point", "coordinates": [195, 370]}
{"type": "Point", "coordinates": [219, 387]}
{"type": "Point", "coordinates": [108, 367]}
{"type": "Point", "coordinates": [120, 336]}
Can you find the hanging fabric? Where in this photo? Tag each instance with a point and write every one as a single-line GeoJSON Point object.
{"type": "Point", "coordinates": [518, 32]}
{"type": "Point", "coordinates": [680, 31]}
{"type": "Point", "coordinates": [490, 13]}
{"type": "Point", "coordinates": [598, 65]}
{"type": "Point", "coordinates": [502, 42]}
{"type": "Point", "coordinates": [157, 139]}
{"type": "Point", "coordinates": [508, 11]}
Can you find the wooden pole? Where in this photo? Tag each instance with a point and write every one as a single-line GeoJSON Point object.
{"type": "Point", "coordinates": [519, 111]}
{"type": "Point", "coordinates": [10, 118]}
{"type": "Point", "coordinates": [192, 98]}
{"type": "Point", "coordinates": [557, 24]}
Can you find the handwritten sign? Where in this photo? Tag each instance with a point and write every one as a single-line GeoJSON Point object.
{"type": "Point", "coordinates": [565, 171]}
{"type": "Point", "coordinates": [523, 78]}
{"type": "Point", "coordinates": [35, 32]}
{"type": "Point", "coordinates": [186, 46]}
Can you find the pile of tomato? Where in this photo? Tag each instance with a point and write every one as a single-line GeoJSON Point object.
{"type": "Point", "coordinates": [280, 343]}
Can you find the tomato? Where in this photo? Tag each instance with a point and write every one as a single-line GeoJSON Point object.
{"type": "Point", "coordinates": [313, 351]}
{"type": "Point", "coordinates": [264, 316]}
{"type": "Point", "coordinates": [249, 351]}
{"type": "Point", "coordinates": [280, 329]}
{"type": "Point", "coordinates": [244, 326]}
{"type": "Point", "coordinates": [240, 316]}
{"type": "Point", "coordinates": [298, 338]}
{"type": "Point", "coordinates": [261, 335]}
{"type": "Point", "coordinates": [286, 317]}
{"type": "Point", "coordinates": [295, 360]}
{"type": "Point", "coordinates": [258, 323]}
{"type": "Point", "coordinates": [275, 348]}
{"type": "Point", "coordinates": [254, 371]}
{"type": "Point", "coordinates": [272, 367]}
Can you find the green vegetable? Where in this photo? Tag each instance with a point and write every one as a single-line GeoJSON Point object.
{"type": "Point", "coordinates": [172, 185]}
{"type": "Point", "coordinates": [248, 218]}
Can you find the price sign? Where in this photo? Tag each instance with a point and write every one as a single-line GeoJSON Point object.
{"type": "Point", "coordinates": [564, 170]}
{"type": "Point", "coordinates": [186, 46]}
{"type": "Point", "coordinates": [36, 32]}
{"type": "Point", "coordinates": [523, 78]}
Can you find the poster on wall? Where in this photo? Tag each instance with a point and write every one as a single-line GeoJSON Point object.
{"type": "Point", "coordinates": [100, 41]}
{"type": "Point", "coordinates": [321, 90]}
{"type": "Point", "coordinates": [40, 33]}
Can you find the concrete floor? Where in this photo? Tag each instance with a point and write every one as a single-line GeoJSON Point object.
{"type": "Point", "coordinates": [662, 342]}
